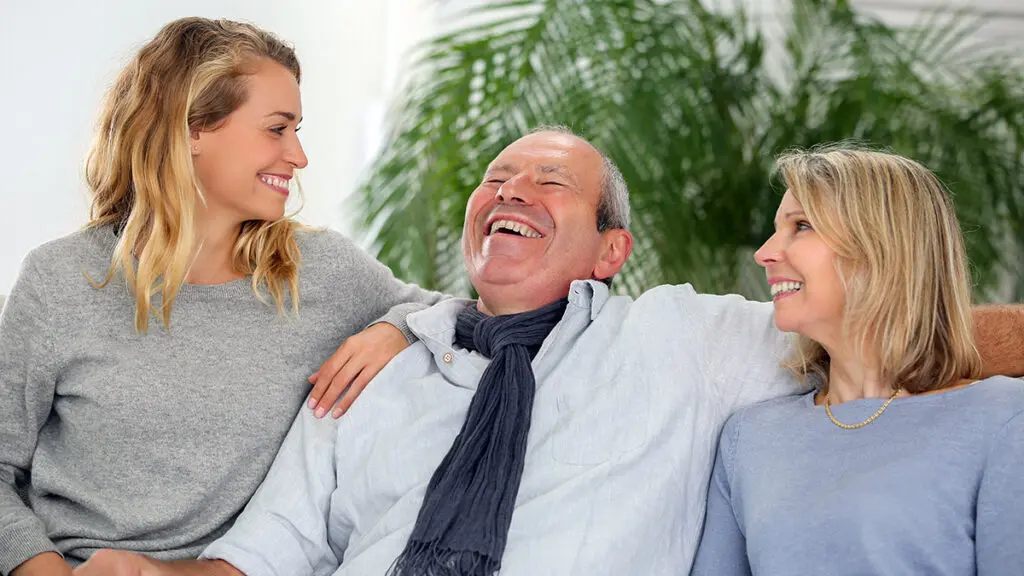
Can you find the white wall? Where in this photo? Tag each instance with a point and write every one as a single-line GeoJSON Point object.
{"type": "Point", "coordinates": [59, 56]}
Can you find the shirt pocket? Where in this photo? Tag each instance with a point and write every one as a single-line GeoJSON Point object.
{"type": "Point", "coordinates": [596, 423]}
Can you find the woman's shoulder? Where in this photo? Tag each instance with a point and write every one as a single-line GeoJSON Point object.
{"type": "Point", "coordinates": [977, 410]}
{"type": "Point", "coordinates": [324, 245]}
{"type": "Point", "coordinates": [768, 415]}
{"type": "Point", "coordinates": [994, 398]}
{"type": "Point", "coordinates": [776, 406]}
{"type": "Point", "coordinates": [993, 410]}
{"type": "Point", "coordinates": [88, 249]}
{"type": "Point", "coordinates": [328, 256]}
{"type": "Point", "coordinates": [64, 266]}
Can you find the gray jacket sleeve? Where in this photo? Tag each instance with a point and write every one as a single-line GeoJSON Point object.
{"type": "Point", "coordinates": [27, 383]}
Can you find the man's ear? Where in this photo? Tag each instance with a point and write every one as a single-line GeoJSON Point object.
{"type": "Point", "coordinates": [616, 245]}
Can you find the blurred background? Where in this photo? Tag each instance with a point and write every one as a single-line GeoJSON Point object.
{"type": "Point", "coordinates": [406, 101]}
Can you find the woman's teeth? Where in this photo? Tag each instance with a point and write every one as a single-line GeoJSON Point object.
{"type": "Point", "coordinates": [785, 288]}
{"type": "Point", "coordinates": [274, 181]}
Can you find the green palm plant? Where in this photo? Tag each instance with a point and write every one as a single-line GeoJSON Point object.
{"type": "Point", "coordinates": [693, 105]}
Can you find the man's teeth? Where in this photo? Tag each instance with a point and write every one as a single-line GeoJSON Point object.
{"type": "Point", "coordinates": [517, 227]}
{"type": "Point", "coordinates": [783, 287]}
{"type": "Point", "coordinates": [274, 181]}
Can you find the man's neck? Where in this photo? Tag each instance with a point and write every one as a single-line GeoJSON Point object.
{"type": "Point", "coordinates": [489, 309]}
{"type": "Point", "coordinates": [498, 310]}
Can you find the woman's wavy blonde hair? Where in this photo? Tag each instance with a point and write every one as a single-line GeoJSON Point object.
{"type": "Point", "coordinates": [188, 78]}
{"type": "Point", "coordinates": [901, 258]}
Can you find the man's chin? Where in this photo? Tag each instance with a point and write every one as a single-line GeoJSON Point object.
{"type": "Point", "coordinates": [511, 247]}
{"type": "Point", "coordinates": [496, 275]}
{"type": "Point", "coordinates": [501, 266]}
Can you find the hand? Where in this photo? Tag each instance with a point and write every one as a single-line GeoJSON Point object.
{"type": "Point", "coordinates": [117, 563]}
{"type": "Point", "coordinates": [358, 360]}
{"type": "Point", "coordinates": [121, 563]}
{"type": "Point", "coordinates": [45, 564]}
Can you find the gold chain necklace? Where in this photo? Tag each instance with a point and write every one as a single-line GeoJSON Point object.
{"type": "Point", "coordinates": [828, 410]}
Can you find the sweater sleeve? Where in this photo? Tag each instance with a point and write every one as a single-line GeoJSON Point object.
{"type": "Point", "coordinates": [999, 525]}
{"type": "Point", "coordinates": [385, 297]}
{"type": "Point", "coordinates": [723, 547]}
{"type": "Point", "coordinates": [27, 383]}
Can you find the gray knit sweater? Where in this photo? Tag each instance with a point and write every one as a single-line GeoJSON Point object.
{"type": "Point", "coordinates": [155, 442]}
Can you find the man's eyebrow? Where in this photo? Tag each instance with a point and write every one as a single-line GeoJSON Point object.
{"type": "Point", "coordinates": [500, 168]}
{"type": "Point", "coordinates": [556, 169]}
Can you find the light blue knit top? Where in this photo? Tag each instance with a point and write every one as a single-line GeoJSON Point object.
{"type": "Point", "coordinates": [934, 486]}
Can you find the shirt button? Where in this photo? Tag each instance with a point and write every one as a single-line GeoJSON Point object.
{"type": "Point", "coordinates": [448, 357]}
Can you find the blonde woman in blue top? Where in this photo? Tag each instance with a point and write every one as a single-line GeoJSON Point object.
{"type": "Point", "coordinates": [900, 461]}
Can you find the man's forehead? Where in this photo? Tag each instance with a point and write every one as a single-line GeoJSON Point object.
{"type": "Point", "coordinates": [546, 168]}
{"type": "Point", "coordinates": [549, 152]}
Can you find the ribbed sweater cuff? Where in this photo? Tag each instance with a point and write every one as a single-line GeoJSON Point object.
{"type": "Point", "coordinates": [396, 317]}
{"type": "Point", "coordinates": [20, 542]}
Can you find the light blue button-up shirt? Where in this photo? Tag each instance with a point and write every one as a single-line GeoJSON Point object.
{"type": "Point", "coordinates": [631, 397]}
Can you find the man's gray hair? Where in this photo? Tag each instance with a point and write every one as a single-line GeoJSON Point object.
{"type": "Point", "coordinates": [613, 206]}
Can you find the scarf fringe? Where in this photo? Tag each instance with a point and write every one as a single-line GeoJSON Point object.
{"type": "Point", "coordinates": [429, 559]}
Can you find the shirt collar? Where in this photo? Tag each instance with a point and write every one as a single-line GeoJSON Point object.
{"type": "Point", "coordinates": [435, 327]}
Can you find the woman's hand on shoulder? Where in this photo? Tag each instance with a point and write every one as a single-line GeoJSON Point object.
{"type": "Point", "coordinates": [123, 563]}
{"type": "Point", "coordinates": [347, 372]}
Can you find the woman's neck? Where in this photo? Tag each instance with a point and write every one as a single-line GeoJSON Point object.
{"type": "Point", "coordinates": [852, 377]}
{"type": "Point", "coordinates": [212, 263]}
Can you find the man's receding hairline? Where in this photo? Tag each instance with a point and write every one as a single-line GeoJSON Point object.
{"type": "Point", "coordinates": [570, 135]}
{"type": "Point", "coordinates": [600, 160]}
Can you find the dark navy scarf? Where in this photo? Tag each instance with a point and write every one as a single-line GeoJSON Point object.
{"type": "Point", "coordinates": [463, 523]}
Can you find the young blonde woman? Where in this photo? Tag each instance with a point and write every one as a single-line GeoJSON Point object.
{"type": "Point", "coordinates": [151, 364]}
{"type": "Point", "coordinates": [900, 462]}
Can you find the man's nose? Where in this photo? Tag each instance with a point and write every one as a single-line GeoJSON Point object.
{"type": "Point", "coordinates": [516, 190]}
